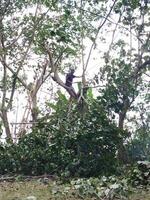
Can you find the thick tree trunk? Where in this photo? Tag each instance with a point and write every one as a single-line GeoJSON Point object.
{"type": "Point", "coordinates": [122, 116]}
{"type": "Point", "coordinates": [122, 154]}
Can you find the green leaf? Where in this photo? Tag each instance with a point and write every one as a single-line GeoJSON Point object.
{"type": "Point", "coordinates": [90, 93]}
{"type": "Point", "coordinates": [52, 105]}
{"type": "Point", "coordinates": [62, 96]}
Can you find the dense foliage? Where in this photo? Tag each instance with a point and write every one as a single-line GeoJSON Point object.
{"type": "Point", "coordinates": [97, 188]}
{"type": "Point", "coordinates": [140, 174]}
{"type": "Point", "coordinates": [139, 148]}
{"type": "Point", "coordinates": [77, 145]}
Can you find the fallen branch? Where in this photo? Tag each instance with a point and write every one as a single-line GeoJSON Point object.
{"type": "Point", "coordinates": [21, 177]}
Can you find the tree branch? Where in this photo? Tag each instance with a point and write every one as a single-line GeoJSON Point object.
{"type": "Point", "coordinates": [138, 70]}
{"type": "Point", "coordinates": [14, 73]}
{"type": "Point", "coordinates": [40, 80]}
{"type": "Point", "coordinates": [100, 26]}
{"type": "Point", "coordinates": [56, 78]}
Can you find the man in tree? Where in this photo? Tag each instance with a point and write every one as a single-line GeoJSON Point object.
{"type": "Point", "coordinates": [69, 81]}
{"type": "Point", "coordinates": [69, 78]}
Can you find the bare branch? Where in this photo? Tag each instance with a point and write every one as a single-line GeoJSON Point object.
{"type": "Point", "coordinates": [56, 78]}
{"type": "Point", "coordinates": [109, 19]}
{"type": "Point", "coordinates": [4, 86]}
{"type": "Point", "coordinates": [40, 80]}
{"type": "Point", "coordinates": [100, 26]}
{"type": "Point", "coordinates": [9, 105]}
{"type": "Point", "coordinates": [147, 75]}
{"type": "Point", "coordinates": [113, 34]}
{"type": "Point", "coordinates": [5, 8]}
{"type": "Point", "coordinates": [82, 50]}
{"type": "Point", "coordinates": [14, 73]}
{"type": "Point", "coordinates": [138, 70]}
{"type": "Point", "coordinates": [52, 65]}
{"type": "Point", "coordinates": [30, 43]}
{"type": "Point", "coordinates": [15, 40]}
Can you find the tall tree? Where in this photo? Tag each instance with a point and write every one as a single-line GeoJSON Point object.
{"type": "Point", "coordinates": [39, 36]}
{"type": "Point", "coordinates": [126, 68]}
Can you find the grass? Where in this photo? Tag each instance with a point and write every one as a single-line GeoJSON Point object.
{"type": "Point", "coordinates": [21, 190]}
{"type": "Point", "coordinates": [140, 194]}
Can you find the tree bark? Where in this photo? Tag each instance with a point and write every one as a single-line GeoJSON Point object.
{"type": "Point", "coordinates": [122, 116]}
{"type": "Point", "coordinates": [122, 154]}
{"type": "Point", "coordinates": [6, 125]}
{"type": "Point", "coordinates": [34, 108]}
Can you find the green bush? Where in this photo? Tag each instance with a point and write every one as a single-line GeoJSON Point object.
{"type": "Point", "coordinates": [79, 145]}
{"type": "Point", "coordinates": [94, 188]}
{"type": "Point", "coordinates": [139, 147]}
{"type": "Point", "coordinates": [139, 175]}
{"type": "Point", "coordinates": [9, 162]}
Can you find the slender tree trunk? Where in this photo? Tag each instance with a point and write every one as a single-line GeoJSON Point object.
{"type": "Point", "coordinates": [6, 125]}
{"type": "Point", "coordinates": [34, 108]}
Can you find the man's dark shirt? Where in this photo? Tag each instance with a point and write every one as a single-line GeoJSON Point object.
{"type": "Point", "coordinates": [69, 79]}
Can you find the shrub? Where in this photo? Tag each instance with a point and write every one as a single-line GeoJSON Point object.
{"type": "Point", "coordinates": [94, 188]}
{"type": "Point", "coordinates": [79, 145]}
{"type": "Point", "coordinates": [140, 174]}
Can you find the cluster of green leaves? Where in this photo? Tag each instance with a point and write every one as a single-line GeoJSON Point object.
{"type": "Point", "coordinates": [118, 73]}
{"type": "Point", "coordinates": [139, 147]}
{"type": "Point", "coordinates": [97, 188]}
{"type": "Point", "coordinates": [140, 174]}
{"type": "Point", "coordinates": [78, 145]}
{"type": "Point", "coordinates": [8, 158]}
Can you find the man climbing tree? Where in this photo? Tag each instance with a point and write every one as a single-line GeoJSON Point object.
{"type": "Point", "coordinates": [69, 78]}
{"type": "Point", "coordinates": [69, 81]}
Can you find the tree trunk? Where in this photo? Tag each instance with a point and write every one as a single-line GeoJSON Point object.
{"type": "Point", "coordinates": [6, 125]}
{"type": "Point", "coordinates": [122, 154]}
{"type": "Point", "coordinates": [122, 116]}
{"type": "Point", "coordinates": [34, 108]}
